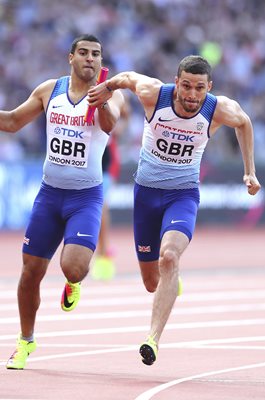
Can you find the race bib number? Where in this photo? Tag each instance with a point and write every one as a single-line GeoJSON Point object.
{"type": "Point", "coordinates": [177, 153]}
{"type": "Point", "coordinates": [63, 151]}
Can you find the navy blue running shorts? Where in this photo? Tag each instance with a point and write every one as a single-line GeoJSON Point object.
{"type": "Point", "coordinates": [157, 211]}
{"type": "Point", "coordinates": [62, 214]}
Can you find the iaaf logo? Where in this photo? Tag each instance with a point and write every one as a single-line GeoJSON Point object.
{"type": "Point", "coordinates": [68, 132]}
{"type": "Point", "coordinates": [200, 125]}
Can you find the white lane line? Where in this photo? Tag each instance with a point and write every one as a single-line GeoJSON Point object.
{"type": "Point", "coordinates": [140, 313]}
{"type": "Point", "coordinates": [212, 342]}
{"type": "Point", "coordinates": [86, 290]}
{"type": "Point", "coordinates": [75, 345]}
{"type": "Point", "coordinates": [145, 328]}
{"type": "Point", "coordinates": [119, 348]}
{"type": "Point", "coordinates": [232, 347]}
{"type": "Point", "coordinates": [197, 347]}
{"type": "Point", "coordinates": [152, 392]}
{"type": "Point", "coordinates": [99, 297]}
{"type": "Point", "coordinates": [125, 348]}
{"type": "Point", "coordinates": [85, 303]}
{"type": "Point", "coordinates": [173, 345]}
{"type": "Point", "coordinates": [79, 354]}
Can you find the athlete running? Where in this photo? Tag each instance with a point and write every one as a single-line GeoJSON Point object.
{"type": "Point", "coordinates": [69, 203]}
{"type": "Point", "coordinates": [180, 119]}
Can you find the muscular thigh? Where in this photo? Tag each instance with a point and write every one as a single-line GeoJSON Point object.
{"type": "Point", "coordinates": [181, 207]}
{"type": "Point", "coordinates": [82, 213]}
{"type": "Point", "coordinates": [45, 228]}
{"type": "Point", "coordinates": [147, 222]}
{"type": "Point", "coordinates": [157, 211]}
{"type": "Point", "coordinates": [72, 215]}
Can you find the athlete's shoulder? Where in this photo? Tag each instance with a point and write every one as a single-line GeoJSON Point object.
{"type": "Point", "coordinates": [51, 83]}
{"type": "Point", "coordinates": [166, 89]}
{"type": "Point", "coordinates": [228, 109]}
{"type": "Point", "coordinates": [224, 101]}
{"type": "Point", "coordinates": [45, 87]}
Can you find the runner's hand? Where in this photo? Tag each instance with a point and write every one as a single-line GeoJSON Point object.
{"type": "Point", "coordinates": [252, 184]}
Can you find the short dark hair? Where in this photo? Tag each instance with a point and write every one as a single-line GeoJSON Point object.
{"type": "Point", "coordinates": [195, 65]}
{"type": "Point", "coordinates": [86, 37]}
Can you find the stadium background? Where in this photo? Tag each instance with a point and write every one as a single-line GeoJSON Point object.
{"type": "Point", "coordinates": [216, 332]}
{"type": "Point", "coordinates": [149, 37]}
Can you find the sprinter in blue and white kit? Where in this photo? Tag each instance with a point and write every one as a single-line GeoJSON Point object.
{"type": "Point", "coordinates": [68, 206]}
{"type": "Point", "coordinates": [180, 119]}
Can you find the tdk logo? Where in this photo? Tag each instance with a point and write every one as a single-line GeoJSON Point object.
{"type": "Point", "coordinates": [68, 132]}
{"type": "Point", "coordinates": [178, 136]}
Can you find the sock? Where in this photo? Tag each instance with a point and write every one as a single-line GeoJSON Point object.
{"type": "Point", "coordinates": [27, 338]}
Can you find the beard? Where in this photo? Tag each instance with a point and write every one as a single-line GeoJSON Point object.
{"type": "Point", "coordinates": [188, 106]}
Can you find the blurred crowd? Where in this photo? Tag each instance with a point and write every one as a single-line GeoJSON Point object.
{"type": "Point", "coordinates": [149, 36]}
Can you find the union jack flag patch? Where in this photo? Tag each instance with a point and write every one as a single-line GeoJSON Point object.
{"type": "Point", "coordinates": [26, 240]}
{"type": "Point", "coordinates": [144, 249]}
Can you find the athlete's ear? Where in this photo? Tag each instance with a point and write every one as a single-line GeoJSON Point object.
{"type": "Point", "coordinates": [176, 79]}
{"type": "Point", "coordinates": [70, 57]}
{"type": "Point", "coordinates": [210, 85]}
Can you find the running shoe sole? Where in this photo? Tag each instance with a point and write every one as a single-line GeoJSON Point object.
{"type": "Point", "coordinates": [147, 353]}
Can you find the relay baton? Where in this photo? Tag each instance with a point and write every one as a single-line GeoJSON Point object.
{"type": "Point", "coordinates": [101, 78]}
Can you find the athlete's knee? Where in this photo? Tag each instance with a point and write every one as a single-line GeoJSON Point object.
{"type": "Point", "coordinates": [173, 245]}
{"type": "Point", "coordinates": [75, 272]}
{"type": "Point", "coordinates": [34, 269]}
{"type": "Point", "coordinates": [169, 258]}
{"type": "Point", "coordinates": [75, 262]}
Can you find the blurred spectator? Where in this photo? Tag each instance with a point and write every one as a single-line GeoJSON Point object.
{"type": "Point", "coordinates": [149, 36]}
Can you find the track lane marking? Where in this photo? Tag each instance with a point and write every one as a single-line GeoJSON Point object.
{"type": "Point", "coordinates": [197, 344]}
{"type": "Point", "coordinates": [177, 311]}
{"type": "Point", "coordinates": [144, 328]}
{"type": "Point", "coordinates": [157, 389]}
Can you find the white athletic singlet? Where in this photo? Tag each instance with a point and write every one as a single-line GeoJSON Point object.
{"type": "Point", "coordinates": [74, 148]}
{"type": "Point", "coordinates": [172, 147]}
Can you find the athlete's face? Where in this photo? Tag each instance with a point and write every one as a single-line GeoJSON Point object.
{"type": "Point", "coordinates": [86, 60]}
{"type": "Point", "coordinates": [191, 92]}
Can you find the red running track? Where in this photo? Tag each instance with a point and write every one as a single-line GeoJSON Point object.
{"type": "Point", "coordinates": [213, 347]}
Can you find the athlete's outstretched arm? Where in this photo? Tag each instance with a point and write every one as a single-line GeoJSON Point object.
{"type": "Point", "coordinates": [229, 112]}
{"type": "Point", "coordinates": [145, 87]}
{"type": "Point", "coordinates": [12, 121]}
